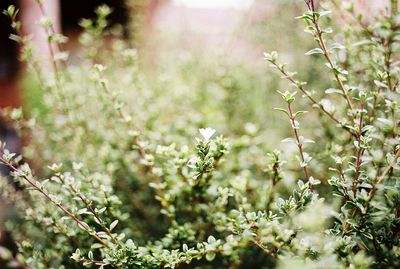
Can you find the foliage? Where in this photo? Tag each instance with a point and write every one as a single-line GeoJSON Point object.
{"type": "Point", "coordinates": [117, 180]}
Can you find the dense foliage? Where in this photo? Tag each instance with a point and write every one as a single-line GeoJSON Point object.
{"type": "Point", "coordinates": [136, 179]}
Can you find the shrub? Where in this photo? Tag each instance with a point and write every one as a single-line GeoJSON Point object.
{"type": "Point", "coordinates": [119, 181]}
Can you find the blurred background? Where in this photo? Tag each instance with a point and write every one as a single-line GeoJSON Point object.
{"type": "Point", "coordinates": [202, 56]}
{"type": "Point", "coordinates": [201, 44]}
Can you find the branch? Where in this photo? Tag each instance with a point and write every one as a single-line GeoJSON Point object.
{"type": "Point", "coordinates": [300, 87]}
{"type": "Point", "coordinates": [360, 152]}
{"type": "Point", "coordinates": [321, 42]}
{"type": "Point", "coordinates": [298, 142]}
{"type": "Point", "coordinates": [381, 179]}
{"type": "Point", "coordinates": [80, 223]}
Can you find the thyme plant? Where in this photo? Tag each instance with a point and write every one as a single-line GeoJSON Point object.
{"type": "Point", "coordinates": [117, 180]}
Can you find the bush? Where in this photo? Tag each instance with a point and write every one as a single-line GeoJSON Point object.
{"type": "Point", "coordinates": [119, 181]}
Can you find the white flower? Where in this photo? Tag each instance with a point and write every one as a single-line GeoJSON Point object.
{"type": "Point", "coordinates": [207, 133]}
{"type": "Point", "coordinates": [192, 162]}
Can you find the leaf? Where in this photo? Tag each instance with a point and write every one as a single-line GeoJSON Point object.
{"type": "Point", "coordinates": [82, 211]}
{"type": "Point", "coordinates": [271, 57]}
{"type": "Point", "coordinates": [380, 84]}
{"type": "Point", "coordinates": [113, 224]}
{"type": "Point", "coordinates": [327, 31]}
{"type": "Point", "coordinates": [283, 111]}
{"type": "Point", "coordinates": [333, 90]}
{"type": "Point", "coordinates": [385, 121]}
{"type": "Point", "coordinates": [363, 42]}
{"type": "Point", "coordinates": [324, 13]}
{"type": "Point", "coordinates": [96, 245]}
{"type": "Point", "coordinates": [288, 139]}
{"type": "Point", "coordinates": [211, 239]}
{"type": "Point", "coordinates": [366, 185]}
{"type": "Point", "coordinates": [336, 46]}
{"type": "Point", "coordinates": [90, 255]}
{"type": "Point", "coordinates": [210, 256]}
{"type": "Point", "coordinates": [306, 17]}
{"type": "Point", "coordinates": [5, 254]}
{"type": "Point", "coordinates": [101, 210]}
{"type": "Point", "coordinates": [352, 222]}
{"type": "Point", "coordinates": [298, 113]}
{"type": "Point", "coordinates": [15, 38]}
{"type": "Point", "coordinates": [315, 51]}
{"type": "Point", "coordinates": [11, 10]}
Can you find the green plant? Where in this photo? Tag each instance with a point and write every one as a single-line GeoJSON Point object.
{"type": "Point", "coordinates": [127, 186]}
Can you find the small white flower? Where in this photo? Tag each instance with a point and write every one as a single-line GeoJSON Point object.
{"type": "Point", "coordinates": [207, 133]}
{"type": "Point", "coordinates": [192, 162]}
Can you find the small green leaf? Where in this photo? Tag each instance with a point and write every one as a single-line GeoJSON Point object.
{"type": "Point", "coordinates": [11, 10]}
{"type": "Point", "coordinates": [315, 51]}
{"type": "Point", "coordinates": [332, 90]}
{"type": "Point", "coordinates": [113, 224]}
{"type": "Point", "coordinates": [282, 110]}
{"type": "Point", "coordinates": [210, 256]}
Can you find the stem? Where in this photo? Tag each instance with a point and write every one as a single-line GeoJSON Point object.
{"type": "Point", "coordinates": [90, 208]}
{"type": "Point", "coordinates": [53, 31]}
{"type": "Point", "coordinates": [374, 189]}
{"type": "Point", "coordinates": [298, 143]}
{"type": "Point", "coordinates": [96, 216]}
{"type": "Point", "coordinates": [37, 69]}
{"type": "Point", "coordinates": [360, 152]}
{"type": "Point", "coordinates": [259, 244]}
{"type": "Point", "coordinates": [321, 42]}
{"type": "Point", "coordinates": [257, 241]}
{"type": "Point", "coordinates": [274, 181]}
{"type": "Point", "coordinates": [388, 62]}
{"type": "Point", "coordinates": [121, 114]}
{"type": "Point", "coordinates": [381, 179]}
{"type": "Point", "coordinates": [51, 50]}
{"type": "Point", "coordinates": [353, 16]}
{"type": "Point", "coordinates": [386, 44]}
{"type": "Point", "coordinates": [56, 70]}
{"type": "Point", "coordinates": [306, 93]}
{"type": "Point", "coordinates": [80, 223]}
{"type": "Point", "coordinates": [97, 262]}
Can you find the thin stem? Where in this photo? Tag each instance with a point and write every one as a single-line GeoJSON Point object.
{"type": "Point", "coordinates": [360, 152]}
{"type": "Point", "coordinates": [373, 190]}
{"type": "Point", "coordinates": [298, 142]}
{"type": "Point", "coordinates": [353, 16]}
{"type": "Point", "coordinates": [95, 215]}
{"type": "Point", "coordinates": [51, 50]}
{"type": "Point", "coordinates": [381, 179]}
{"type": "Point", "coordinates": [388, 62]}
{"type": "Point", "coordinates": [122, 115]}
{"type": "Point", "coordinates": [56, 70]}
{"type": "Point", "coordinates": [347, 225]}
{"type": "Point", "coordinates": [308, 95]}
{"type": "Point", "coordinates": [258, 243]}
{"type": "Point", "coordinates": [88, 205]}
{"type": "Point", "coordinates": [80, 223]}
{"type": "Point", "coordinates": [321, 42]}
{"type": "Point", "coordinates": [386, 43]}
{"type": "Point", "coordinates": [274, 181]}
{"type": "Point", "coordinates": [97, 262]}
{"type": "Point", "coordinates": [51, 32]}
